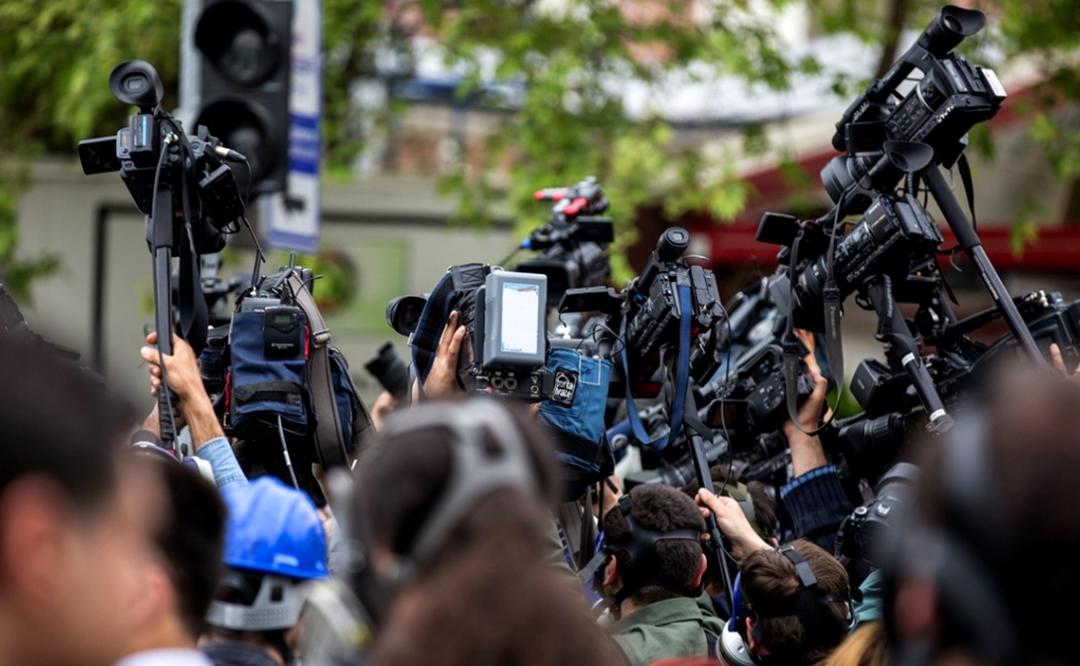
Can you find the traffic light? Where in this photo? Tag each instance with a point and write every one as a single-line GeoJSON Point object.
{"type": "Point", "coordinates": [244, 51]}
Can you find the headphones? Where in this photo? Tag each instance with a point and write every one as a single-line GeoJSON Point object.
{"type": "Point", "coordinates": [636, 553]}
{"type": "Point", "coordinates": [476, 470]}
{"type": "Point", "coordinates": [810, 606]}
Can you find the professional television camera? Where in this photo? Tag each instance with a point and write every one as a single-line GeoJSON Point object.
{"type": "Point", "coordinates": [504, 313]}
{"type": "Point", "coordinates": [890, 255]}
{"type": "Point", "coordinates": [886, 138]}
{"type": "Point", "coordinates": [187, 192]}
{"type": "Point", "coordinates": [671, 306]}
{"type": "Point", "coordinates": [573, 246]}
{"type": "Point", "coordinates": [505, 319]}
{"type": "Point", "coordinates": [951, 97]}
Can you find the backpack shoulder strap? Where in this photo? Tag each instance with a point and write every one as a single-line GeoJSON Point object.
{"type": "Point", "coordinates": [328, 437]}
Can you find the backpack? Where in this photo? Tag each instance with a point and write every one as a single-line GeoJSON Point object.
{"type": "Point", "coordinates": [282, 377]}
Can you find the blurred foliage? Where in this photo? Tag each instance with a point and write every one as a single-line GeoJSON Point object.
{"type": "Point", "coordinates": [55, 58]}
{"type": "Point", "coordinates": [1045, 33]}
{"type": "Point", "coordinates": [571, 62]}
{"type": "Point", "coordinates": [568, 62]}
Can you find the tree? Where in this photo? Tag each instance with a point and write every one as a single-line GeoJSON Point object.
{"type": "Point", "coordinates": [567, 58]}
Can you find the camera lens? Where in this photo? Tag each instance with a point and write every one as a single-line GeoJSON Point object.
{"type": "Point", "coordinates": [836, 178]}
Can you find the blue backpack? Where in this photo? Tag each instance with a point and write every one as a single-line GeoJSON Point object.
{"type": "Point", "coordinates": [283, 377]}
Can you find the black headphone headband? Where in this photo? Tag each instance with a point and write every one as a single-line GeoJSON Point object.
{"type": "Point", "coordinates": [636, 550]}
{"type": "Point", "coordinates": [810, 606]}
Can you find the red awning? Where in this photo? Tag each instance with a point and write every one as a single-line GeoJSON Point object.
{"type": "Point", "coordinates": [1055, 249]}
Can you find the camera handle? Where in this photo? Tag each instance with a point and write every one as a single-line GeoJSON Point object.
{"type": "Point", "coordinates": [970, 242]}
{"type": "Point", "coordinates": [695, 442]}
{"type": "Point", "coordinates": [900, 347]}
{"type": "Point", "coordinates": [160, 235]}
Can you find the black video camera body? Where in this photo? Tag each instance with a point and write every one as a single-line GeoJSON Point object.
{"type": "Point", "coordinates": [573, 246]}
{"type": "Point", "coordinates": [753, 402]}
{"type": "Point", "coordinates": [952, 97]}
{"type": "Point", "coordinates": [653, 311]}
{"type": "Point", "coordinates": [896, 237]}
{"type": "Point", "coordinates": [154, 154]}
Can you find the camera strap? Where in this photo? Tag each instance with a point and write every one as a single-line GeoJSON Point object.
{"type": "Point", "coordinates": [194, 316]}
{"type": "Point", "coordinates": [329, 440]}
{"type": "Point", "coordinates": [682, 379]}
{"type": "Point", "coordinates": [834, 348]}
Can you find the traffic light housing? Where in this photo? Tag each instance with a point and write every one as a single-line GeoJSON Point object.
{"type": "Point", "coordinates": [244, 48]}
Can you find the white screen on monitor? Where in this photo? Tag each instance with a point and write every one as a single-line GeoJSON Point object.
{"type": "Point", "coordinates": [520, 312]}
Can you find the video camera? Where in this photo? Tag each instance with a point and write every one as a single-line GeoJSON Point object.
{"type": "Point", "coordinates": [273, 375]}
{"type": "Point", "coordinates": [188, 194]}
{"type": "Point", "coordinates": [952, 97]}
{"type": "Point", "coordinates": [573, 246]}
{"type": "Point", "coordinates": [895, 237]}
{"type": "Point", "coordinates": [165, 169]}
{"type": "Point", "coordinates": [648, 314]}
{"type": "Point", "coordinates": [505, 316]}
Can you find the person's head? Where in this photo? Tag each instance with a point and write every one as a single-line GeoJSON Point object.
{"type": "Point", "coordinates": [798, 606]}
{"type": "Point", "coordinates": [753, 498]}
{"type": "Point", "coordinates": [73, 527]}
{"type": "Point", "coordinates": [274, 545]}
{"type": "Point", "coordinates": [673, 566]}
{"type": "Point", "coordinates": [456, 500]}
{"type": "Point", "coordinates": [407, 472]}
{"type": "Point", "coordinates": [187, 562]}
{"type": "Point", "coordinates": [995, 532]}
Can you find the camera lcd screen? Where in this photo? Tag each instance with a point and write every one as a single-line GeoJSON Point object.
{"type": "Point", "coordinates": [513, 319]}
{"type": "Point", "coordinates": [520, 317]}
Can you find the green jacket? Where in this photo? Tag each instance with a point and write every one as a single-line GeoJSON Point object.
{"type": "Point", "coordinates": [668, 628]}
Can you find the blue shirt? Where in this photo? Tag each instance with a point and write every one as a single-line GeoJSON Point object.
{"type": "Point", "coordinates": [218, 452]}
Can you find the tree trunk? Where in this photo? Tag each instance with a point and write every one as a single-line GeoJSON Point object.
{"type": "Point", "coordinates": [894, 27]}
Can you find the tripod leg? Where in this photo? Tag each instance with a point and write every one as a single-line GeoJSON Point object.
{"type": "Point", "coordinates": [901, 348]}
{"type": "Point", "coordinates": [972, 245]}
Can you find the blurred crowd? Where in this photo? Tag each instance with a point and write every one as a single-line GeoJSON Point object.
{"type": "Point", "coordinates": [443, 542]}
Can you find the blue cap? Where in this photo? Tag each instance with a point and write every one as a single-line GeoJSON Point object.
{"type": "Point", "coordinates": [274, 529]}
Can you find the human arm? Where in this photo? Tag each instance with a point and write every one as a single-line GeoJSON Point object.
{"type": "Point", "coordinates": [194, 407]}
{"type": "Point", "coordinates": [732, 522]}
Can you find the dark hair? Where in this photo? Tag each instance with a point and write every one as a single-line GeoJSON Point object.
{"type": "Point", "coordinates": [1016, 519]}
{"type": "Point", "coordinates": [402, 477]}
{"type": "Point", "coordinates": [191, 540]}
{"type": "Point", "coordinates": [489, 595]}
{"type": "Point", "coordinates": [769, 580]}
{"type": "Point", "coordinates": [661, 509]}
{"type": "Point", "coordinates": [58, 421]}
